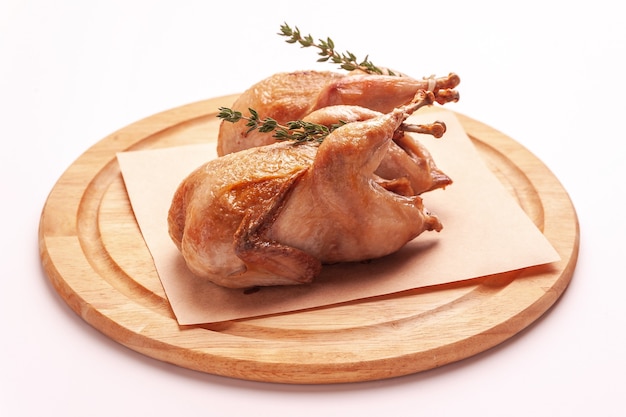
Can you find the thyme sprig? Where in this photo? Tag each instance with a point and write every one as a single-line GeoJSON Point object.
{"type": "Point", "coordinates": [296, 130]}
{"type": "Point", "coordinates": [346, 60]}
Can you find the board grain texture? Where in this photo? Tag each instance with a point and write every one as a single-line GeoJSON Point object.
{"type": "Point", "coordinates": [94, 255]}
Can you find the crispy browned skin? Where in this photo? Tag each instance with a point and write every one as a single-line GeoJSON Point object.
{"type": "Point", "coordinates": [272, 215]}
{"type": "Point", "coordinates": [328, 97]}
{"type": "Point", "coordinates": [219, 211]}
{"type": "Point", "coordinates": [292, 96]}
{"type": "Point", "coordinates": [340, 203]}
{"type": "Point", "coordinates": [406, 157]}
{"type": "Point", "coordinates": [283, 96]}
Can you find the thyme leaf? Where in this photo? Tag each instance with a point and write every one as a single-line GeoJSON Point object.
{"type": "Point", "coordinates": [346, 60]}
{"type": "Point", "coordinates": [296, 130]}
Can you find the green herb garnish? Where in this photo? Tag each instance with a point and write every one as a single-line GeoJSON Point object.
{"type": "Point", "coordinates": [296, 130]}
{"type": "Point", "coordinates": [346, 60]}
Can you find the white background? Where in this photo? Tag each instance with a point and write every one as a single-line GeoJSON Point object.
{"type": "Point", "coordinates": [548, 74]}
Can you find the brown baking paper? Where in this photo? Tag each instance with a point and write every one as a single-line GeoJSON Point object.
{"type": "Point", "coordinates": [485, 232]}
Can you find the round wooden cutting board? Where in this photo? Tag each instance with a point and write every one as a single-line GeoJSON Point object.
{"type": "Point", "coordinates": [95, 257]}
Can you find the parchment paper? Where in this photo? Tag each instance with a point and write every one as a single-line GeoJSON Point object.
{"type": "Point", "coordinates": [485, 232]}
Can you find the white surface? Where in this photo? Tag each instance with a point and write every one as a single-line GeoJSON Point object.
{"type": "Point", "coordinates": [72, 72]}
